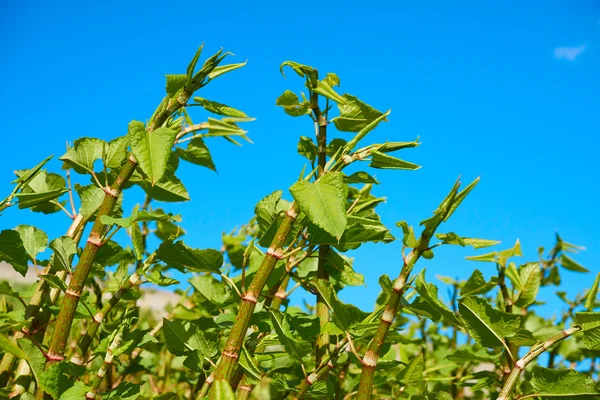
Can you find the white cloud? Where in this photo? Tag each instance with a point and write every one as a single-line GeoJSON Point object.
{"type": "Point", "coordinates": [569, 53]}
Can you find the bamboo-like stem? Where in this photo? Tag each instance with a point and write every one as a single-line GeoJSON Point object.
{"type": "Point", "coordinates": [322, 344]}
{"type": "Point", "coordinates": [443, 212]}
{"type": "Point", "coordinates": [274, 300]}
{"type": "Point", "coordinates": [533, 353]}
{"type": "Point", "coordinates": [320, 372]}
{"type": "Point", "coordinates": [96, 322]}
{"type": "Point", "coordinates": [33, 308]}
{"type": "Point", "coordinates": [392, 307]}
{"type": "Point", "coordinates": [77, 282]}
{"type": "Point", "coordinates": [165, 110]}
{"type": "Point", "coordinates": [230, 354]}
{"type": "Point", "coordinates": [108, 360]}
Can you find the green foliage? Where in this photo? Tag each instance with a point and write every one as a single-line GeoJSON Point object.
{"type": "Point", "coordinates": [232, 324]}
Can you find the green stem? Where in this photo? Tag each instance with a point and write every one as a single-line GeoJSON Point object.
{"type": "Point", "coordinates": [229, 357]}
{"type": "Point", "coordinates": [533, 353]}
{"type": "Point", "coordinates": [86, 339]}
{"type": "Point", "coordinates": [33, 308]}
{"type": "Point", "coordinates": [322, 345]}
{"type": "Point", "coordinates": [94, 241]}
{"type": "Point", "coordinates": [108, 360]}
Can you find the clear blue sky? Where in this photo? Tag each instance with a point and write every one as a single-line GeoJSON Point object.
{"type": "Point", "coordinates": [505, 90]}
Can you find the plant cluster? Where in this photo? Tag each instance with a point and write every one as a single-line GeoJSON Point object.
{"type": "Point", "coordinates": [78, 332]}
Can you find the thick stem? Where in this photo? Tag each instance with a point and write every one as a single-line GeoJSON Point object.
{"type": "Point", "coordinates": [322, 345]}
{"type": "Point", "coordinates": [229, 357]}
{"type": "Point", "coordinates": [94, 241]}
{"type": "Point", "coordinates": [535, 351]}
{"type": "Point", "coordinates": [33, 309]}
{"type": "Point", "coordinates": [391, 310]}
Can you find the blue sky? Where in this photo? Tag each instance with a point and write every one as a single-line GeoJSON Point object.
{"type": "Point", "coordinates": [503, 90]}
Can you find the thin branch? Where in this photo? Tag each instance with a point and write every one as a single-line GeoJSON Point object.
{"type": "Point", "coordinates": [233, 286]}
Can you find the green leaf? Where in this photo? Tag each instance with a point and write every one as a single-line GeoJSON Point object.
{"type": "Point", "coordinates": [82, 155]}
{"type": "Point", "coordinates": [324, 202]}
{"type": "Point", "coordinates": [412, 374]}
{"type": "Point", "coordinates": [343, 315]}
{"type": "Point", "coordinates": [7, 290]}
{"type": "Point", "coordinates": [35, 358]}
{"type": "Point", "coordinates": [253, 373]}
{"type": "Point", "coordinates": [139, 216]}
{"type": "Point", "coordinates": [26, 176]}
{"type": "Point", "coordinates": [467, 354]}
{"type": "Point", "coordinates": [183, 336]}
{"type": "Point", "coordinates": [124, 391]}
{"type": "Point", "coordinates": [572, 265]}
{"type": "Point", "coordinates": [210, 289]}
{"type": "Point", "coordinates": [354, 114]}
{"type": "Point", "coordinates": [223, 390]}
{"type": "Point", "coordinates": [220, 109]}
{"type": "Point", "coordinates": [590, 301]}
{"type": "Point", "coordinates": [531, 278]}
{"type": "Point", "coordinates": [197, 153]}
{"type": "Point", "coordinates": [34, 240]}
{"type": "Point", "coordinates": [151, 150]}
{"type": "Point", "coordinates": [563, 384]}
{"type": "Point", "coordinates": [292, 105]}
{"type": "Point", "coordinates": [75, 392]}
{"type": "Point", "coordinates": [499, 257]}
{"type": "Point", "coordinates": [307, 148]}
{"type": "Point", "coordinates": [294, 346]}
{"type": "Point", "coordinates": [54, 281]}
{"type": "Point", "coordinates": [175, 82]}
{"type": "Point", "coordinates": [361, 177]}
{"type": "Point", "coordinates": [324, 89]}
{"type": "Point", "coordinates": [429, 294]}
{"type": "Point", "coordinates": [115, 152]}
{"type": "Point", "coordinates": [223, 69]}
{"type": "Point", "coordinates": [64, 248]}
{"type": "Point", "coordinates": [137, 239]}
{"type": "Point", "coordinates": [409, 238]}
{"type": "Point", "coordinates": [28, 200]}
{"type": "Point", "coordinates": [302, 70]}
{"type": "Point", "coordinates": [180, 256]}
{"type": "Point", "coordinates": [12, 251]}
{"type": "Point", "coordinates": [8, 346]}
{"type": "Point", "coordinates": [159, 279]}
{"type": "Point", "coordinates": [476, 284]}
{"type": "Point", "coordinates": [91, 197]}
{"type": "Point", "coordinates": [385, 161]}
{"type": "Point", "coordinates": [453, 238]}
{"type": "Point", "coordinates": [486, 324]}
{"type": "Point", "coordinates": [590, 325]}
{"type": "Point", "coordinates": [53, 380]}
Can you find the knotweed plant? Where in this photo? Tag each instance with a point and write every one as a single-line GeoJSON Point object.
{"type": "Point", "coordinates": [79, 332]}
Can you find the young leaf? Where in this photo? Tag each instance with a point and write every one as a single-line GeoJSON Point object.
{"type": "Point", "coordinates": [572, 265]}
{"type": "Point", "coordinates": [151, 150]}
{"type": "Point", "coordinates": [487, 325]}
{"type": "Point", "coordinates": [361, 177]}
{"type": "Point", "coordinates": [220, 109]}
{"type": "Point", "coordinates": [139, 216]}
{"type": "Point", "coordinates": [354, 114]}
{"type": "Point", "coordinates": [291, 105]}
{"type": "Point", "coordinates": [590, 301]}
{"type": "Point", "coordinates": [197, 153]}
{"type": "Point", "coordinates": [383, 161]}
{"type": "Point", "coordinates": [115, 152]}
{"type": "Point", "coordinates": [180, 256]}
{"type": "Point", "coordinates": [453, 238]}
{"type": "Point", "coordinates": [54, 281]}
{"type": "Point", "coordinates": [35, 358]}
{"type": "Point", "coordinates": [324, 89]}
{"type": "Point", "coordinates": [223, 390]}
{"type": "Point", "coordinates": [27, 175]}
{"type": "Point", "coordinates": [183, 336]}
{"type": "Point", "coordinates": [499, 257]}
{"type": "Point", "coordinates": [307, 148]}
{"type": "Point", "coordinates": [590, 325]}
{"type": "Point", "coordinates": [28, 200]}
{"type": "Point", "coordinates": [324, 202]}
